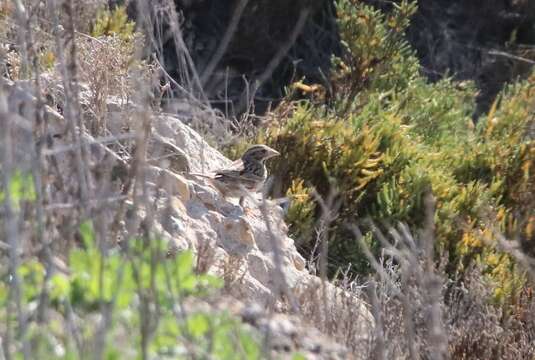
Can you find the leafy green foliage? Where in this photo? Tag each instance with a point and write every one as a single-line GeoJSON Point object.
{"type": "Point", "coordinates": [301, 215]}
{"type": "Point", "coordinates": [139, 288]}
{"type": "Point", "coordinates": [390, 137]}
{"type": "Point", "coordinates": [376, 53]}
{"type": "Point", "coordinates": [21, 189]}
{"type": "Point", "coordinates": [114, 22]}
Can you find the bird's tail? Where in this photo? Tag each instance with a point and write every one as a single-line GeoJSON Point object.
{"type": "Point", "coordinates": [198, 174]}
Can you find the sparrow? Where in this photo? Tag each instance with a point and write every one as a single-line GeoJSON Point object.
{"type": "Point", "coordinates": [245, 175]}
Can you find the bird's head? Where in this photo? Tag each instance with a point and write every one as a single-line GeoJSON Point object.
{"type": "Point", "coordinates": [259, 153]}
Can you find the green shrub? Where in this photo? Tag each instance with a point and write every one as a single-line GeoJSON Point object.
{"type": "Point", "coordinates": [143, 293]}
{"type": "Point", "coordinates": [20, 188]}
{"type": "Point", "coordinates": [376, 54]}
{"type": "Point", "coordinates": [113, 23]}
{"type": "Point", "coordinates": [390, 137]}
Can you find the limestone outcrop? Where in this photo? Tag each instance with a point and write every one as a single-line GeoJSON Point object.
{"type": "Point", "coordinates": [248, 247]}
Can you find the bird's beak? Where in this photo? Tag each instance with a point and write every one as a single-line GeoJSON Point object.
{"type": "Point", "coordinates": [272, 153]}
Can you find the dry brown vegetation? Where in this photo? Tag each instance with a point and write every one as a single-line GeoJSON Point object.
{"type": "Point", "coordinates": [65, 59]}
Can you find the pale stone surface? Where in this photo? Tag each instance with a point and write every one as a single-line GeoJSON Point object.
{"type": "Point", "coordinates": [238, 244]}
{"type": "Point", "coordinates": [249, 237]}
{"type": "Point", "coordinates": [177, 185]}
{"type": "Point", "coordinates": [202, 158]}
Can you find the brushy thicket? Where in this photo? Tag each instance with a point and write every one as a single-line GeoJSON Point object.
{"type": "Point", "coordinates": [111, 284]}
{"type": "Point", "coordinates": [373, 145]}
{"type": "Point", "coordinates": [388, 136]}
{"type": "Point", "coordinates": [93, 299]}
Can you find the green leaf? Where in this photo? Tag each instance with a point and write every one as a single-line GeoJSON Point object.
{"type": "Point", "coordinates": [198, 324]}
{"type": "Point", "coordinates": [250, 346]}
{"type": "Point", "coordinates": [4, 291]}
{"type": "Point", "coordinates": [88, 235]}
{"type": "Point", "coordinates": [60, 286]}
{"type": "Point", "coordinates": [21, 188]}
{"type": "Point", "coordinates": [125, 296]}
{"type": "Point", "coordinates": [188, 284]}
{"type": "Point", "coordinates": [210, 281]}
{"type": "Point", "coordinates": [113, 353]}
{"type": "Point", "coordinates": [32, 274]}
{"type": "Point", "coordinates": [184, 262]}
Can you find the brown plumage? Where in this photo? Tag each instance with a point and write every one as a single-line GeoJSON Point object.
{"type": "Point", "coordinates": [245, 175]}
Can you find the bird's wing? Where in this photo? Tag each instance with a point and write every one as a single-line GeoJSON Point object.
{"type": "Point", "coordinates": [237, 171]}
{"type": "Point", "coordinates": [234, 170]}
{"type": "Point", "coordinates": [235, 167]}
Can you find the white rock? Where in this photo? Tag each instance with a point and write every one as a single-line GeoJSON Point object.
{"type": "Point", "coordinates": [202, 158]}
{"type": "Point", "coordinates": [238, 244]}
